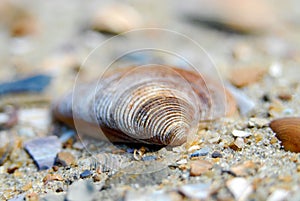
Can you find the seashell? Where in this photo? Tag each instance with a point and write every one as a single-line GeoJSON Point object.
{"type": "Point", "coordinates": [288, 132]}
{"type": "Point", "coordinates": [154, 104]}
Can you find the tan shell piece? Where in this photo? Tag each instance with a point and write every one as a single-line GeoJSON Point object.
{"type": "Point", "coordinates": [288, 132]}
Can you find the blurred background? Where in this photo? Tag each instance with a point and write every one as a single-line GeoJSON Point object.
{"type": "Point", "coordinates": [54, 37]}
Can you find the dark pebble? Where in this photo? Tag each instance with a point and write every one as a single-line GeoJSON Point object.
{"type": "Point", "coordinates": [96, 178]}
{"type": "Point", "coordinates": [202, 152]}
{"type": "Point", "coordinates": [85, 174]}
{"type": "Point", "coordinates": [216, 154]}
{"type": "Point", "coordinates": [266, 98]}
{"type": "Point", "coordinates": [60, 189]}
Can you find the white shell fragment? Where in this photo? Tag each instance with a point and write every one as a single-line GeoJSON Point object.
{"type": "Point", "coordinates": [258, 122]}
{"type": "Point", "coordinates": [239, 133]}
{"type": "Point", "coordinates": [240, 188]}
{"type": "Point", "coordinates": [278, 195]}
{"type": "Point", "coordinates": [195, 191]}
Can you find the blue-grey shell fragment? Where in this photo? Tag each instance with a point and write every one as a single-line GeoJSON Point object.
{"type": "Point", "coordinates": [43, 151]}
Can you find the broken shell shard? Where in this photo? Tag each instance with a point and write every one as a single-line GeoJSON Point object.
{"type": "Point", "coordinates": [288, 132]}
{"type": "Point", "coordinates": [155, 104]}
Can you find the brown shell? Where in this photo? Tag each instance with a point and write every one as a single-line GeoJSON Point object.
{"type": "Point", "coordinates": [288, 132]}
{"type": "Point", "coordinates": [155, 105]}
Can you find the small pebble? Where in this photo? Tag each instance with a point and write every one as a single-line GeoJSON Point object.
{"type": "Point", "coordinates": [182, 161]}
{"type": "Point", "coordinates": [285, 97]}
{"type": "Point", "coordinates": [275, 70]}
{"type": "Point", "coordinates": [43, 151]}
{"type": "Point", "coordinates": [59, 190]}
{"type": "Point", "coordinates": [239, 133]}
{"type": "Point", "coordinates": [239, 142]}
{"type": "Point", "coordinates": [202, 152]}
{"type": "Point", "coordinates": [194, 148]}
{"type": "Point", "coordinates": [55, 168]}
{"type": "Point", "coordinates": [96, 178]}
{"type": "Point", "coordinates": [258, 122]}
{"type": "Point", "coordinates": [198, 191]}
{"type": "Point", "coordinates": [216, 154]}
{"type": "Point", "coordinates": [65, 158]}
{"type": "Point", "coordinates": [199, 167]}
{"type": "Point", "coordinates": [288, 111]}
{"type": "Point", "coordinates": [244, 169]}
{"type": "Point", "coordinates": [52, 177]}
{"type": "Point", "coordinates": [85, 174]}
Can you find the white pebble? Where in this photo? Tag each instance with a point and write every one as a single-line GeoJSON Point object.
{"type": "Point", "coordinates": [239, 142]}
{"type": "Point", "coordinates": [275, 70]}
{"type": "Point", "coordinates": [239, 133]}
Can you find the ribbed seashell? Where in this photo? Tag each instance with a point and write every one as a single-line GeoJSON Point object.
{"type": "Point", "coordinates": [156, 104]}
{"type": "Point", "coordinates": [288, 132]}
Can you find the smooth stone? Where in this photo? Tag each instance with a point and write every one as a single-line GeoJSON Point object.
{"type": "Point", "coordinates": [199, 167]}
{"type": "Point", "coordinates": [85, 174]}
{"type": "Point", "coordinates": [65, 158]}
